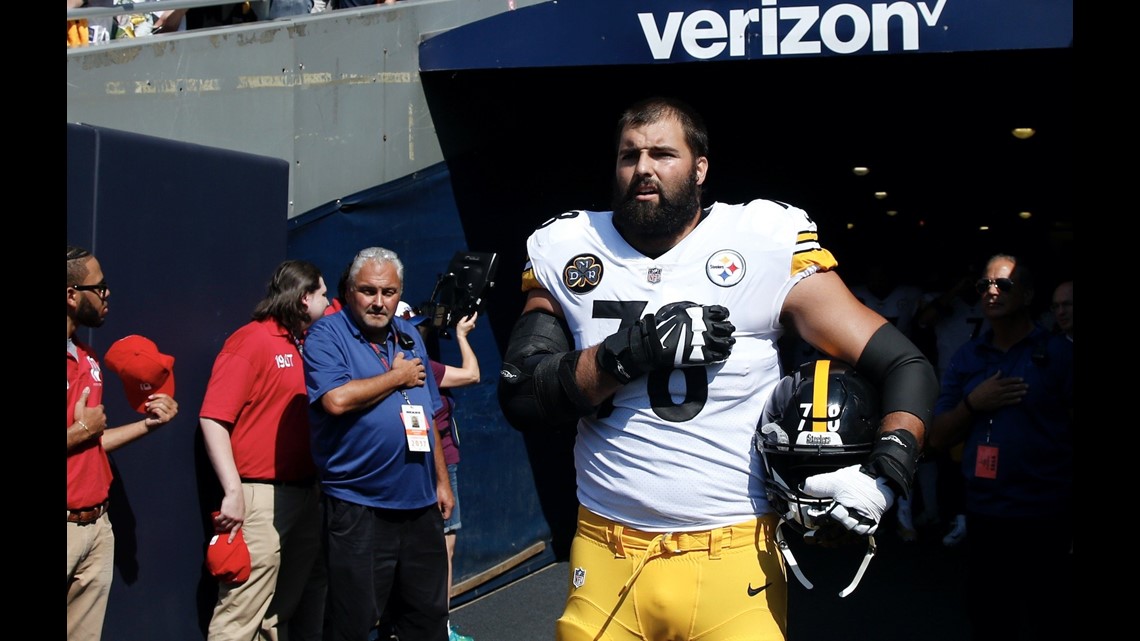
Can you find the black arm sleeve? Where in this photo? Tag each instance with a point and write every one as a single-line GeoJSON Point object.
{"type": "Point", "coordinates": [906, 383]}
{"type": "Point", "coordinates": [904, 376]}
{"type": "Point", "coordinates": [537, 387]}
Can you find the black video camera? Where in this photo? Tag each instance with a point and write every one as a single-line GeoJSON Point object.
{"type": "Point", "coordinates": [461, 291]}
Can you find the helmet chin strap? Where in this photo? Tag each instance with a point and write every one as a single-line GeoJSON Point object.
{"type": "Point", "coordinates": [790, 559]}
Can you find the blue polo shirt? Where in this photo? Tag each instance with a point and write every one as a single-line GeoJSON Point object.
{"type": "Point", "coordinates": [1034, 437]}
{"type": "Point", "coordinates": [362, 457]}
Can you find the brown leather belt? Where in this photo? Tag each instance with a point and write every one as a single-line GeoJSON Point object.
{"type": "Point", "coordinates": [88, 514]}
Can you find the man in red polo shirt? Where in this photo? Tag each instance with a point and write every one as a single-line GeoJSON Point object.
{"type": "Point", "coordinates": [90, 540]}
{"type": "Point", "coordinates": [255, 422]}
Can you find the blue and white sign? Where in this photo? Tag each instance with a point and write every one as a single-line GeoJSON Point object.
{"type": "Point", "coordinates": [613, 32]}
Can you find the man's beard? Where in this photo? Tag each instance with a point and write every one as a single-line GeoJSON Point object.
{"type": "Point", "coordinates": [86, 315]}
{"type": "Point", "coordinates": [672, 212]}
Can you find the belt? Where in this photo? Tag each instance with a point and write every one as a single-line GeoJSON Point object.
{"type": "Point", "coordinates": [622, 540]}
{"type": "Point", "coordinates": [304, 483]}
{"type": "Point", "coordinates": [86, 515]}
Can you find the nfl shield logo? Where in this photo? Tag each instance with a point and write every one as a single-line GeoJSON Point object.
{"type": "Point", "coordinates": [579, 577]}
{"type": "Point", "coordinates": [654, 275]}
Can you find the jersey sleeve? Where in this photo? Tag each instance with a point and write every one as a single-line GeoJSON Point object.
{"type": "Point", "coordinates": [808, 255]}
{"type": "Point", "coordinates": [529, 280]}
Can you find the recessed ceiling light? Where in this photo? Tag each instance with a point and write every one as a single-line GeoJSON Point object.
{"type": "Point", "coordinates": [880, 195]}
{"type": "Point", "coordinates": [1025, 215]}
{"type": "Point", "coordinates": [984, 228]}
{"type": "Point", "coordinates": [1022, 133]}
{"type": "Point", "coordinates": [850, 225]}
{"type": "Point", "coordinates": [861, 171]}
{"type": "Point", "coordinates": [892, 212]}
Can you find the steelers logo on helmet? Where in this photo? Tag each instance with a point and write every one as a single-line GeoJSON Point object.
{"type": "Point", "coordinates": [822, 417]}
{"type": "Point", "coordinates": [582, 273]}
{"type": "Point", "coordinates": [725, 268]}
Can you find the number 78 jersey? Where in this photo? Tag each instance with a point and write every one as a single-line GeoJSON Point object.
{"type": "Point", "coordinates": [671, 451]}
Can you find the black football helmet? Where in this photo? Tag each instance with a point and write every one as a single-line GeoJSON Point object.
{"type": "Point", "coordinates": [822, 417]}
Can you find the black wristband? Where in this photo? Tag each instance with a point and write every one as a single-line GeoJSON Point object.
{"type": "Point", "coordinates": [969, 406]}
{"type": "Point", "coordinates": [894, 457]}
{"type": "Point", "coordinates": [630, 352]}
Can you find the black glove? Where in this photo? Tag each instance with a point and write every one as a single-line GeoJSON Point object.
{"type": "Point", "coordinates": [682, 334]}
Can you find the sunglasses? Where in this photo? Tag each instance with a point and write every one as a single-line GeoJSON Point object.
{"type": "Point", "coordinates": [1003, 284]}
{"type": "Point", "coordinates": [99, 288]}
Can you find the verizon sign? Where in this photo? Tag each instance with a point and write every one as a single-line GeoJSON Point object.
{"type": "Point", "coordinates": [844, 28]}
{"type": "Point", "coordinates": [566, 33]}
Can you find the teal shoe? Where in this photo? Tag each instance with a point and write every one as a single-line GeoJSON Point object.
{"type": "Point", "coordinates": [452, 635]}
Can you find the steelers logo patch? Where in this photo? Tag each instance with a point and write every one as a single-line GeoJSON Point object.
{"type": "Point", "coordinates": [725, 268]}
{"type": "Point", "coordinates": [583, 273]}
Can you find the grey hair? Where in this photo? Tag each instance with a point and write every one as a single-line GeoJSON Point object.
{"type": "Point", "coordinates": [378, 255]}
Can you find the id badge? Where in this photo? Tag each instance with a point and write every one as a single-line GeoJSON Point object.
{"type": "Point", "coordinates": [986, 466]}
{"type": "Point", "coordinates": [416, 427]}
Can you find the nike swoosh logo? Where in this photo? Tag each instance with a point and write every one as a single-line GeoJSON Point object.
{"type": "Point", "coordinates": [754, 591]}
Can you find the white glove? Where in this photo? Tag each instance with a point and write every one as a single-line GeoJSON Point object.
{"type": "Point", "coordinates": [860, 499]}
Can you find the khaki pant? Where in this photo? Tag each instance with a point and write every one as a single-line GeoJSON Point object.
{"type": "Point", "coordinates": [90, 569]}
{"type": "Point", "coordinates": [284, 597]}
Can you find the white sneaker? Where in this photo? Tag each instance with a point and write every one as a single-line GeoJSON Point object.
{"type": "Point", "coordinates": [957, 534]}
{"type": "Point", "coordinates": [906, 523]}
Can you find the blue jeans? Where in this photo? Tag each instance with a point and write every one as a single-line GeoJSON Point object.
{"type": "Point", "coordinates": [453, 524]}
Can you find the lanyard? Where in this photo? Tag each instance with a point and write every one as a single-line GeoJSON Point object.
{"type": "Point", "coordinates": [384, 362]}
{"type": "Point", "coordinates": [382, 357]}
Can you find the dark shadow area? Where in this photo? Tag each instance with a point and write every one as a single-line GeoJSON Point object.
{"type": "Point", "coordinates": [523, 145]}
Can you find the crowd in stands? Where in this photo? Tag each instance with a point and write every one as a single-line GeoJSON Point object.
{"type": "Point", "coordinates": [82, 32]}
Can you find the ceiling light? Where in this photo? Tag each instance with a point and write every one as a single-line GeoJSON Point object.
{"type": "Point", "coordinates": [1023, 133]}
{"type": "Point", "coordinates": [850, 225]}
{"type": "Point", "coordinates": [861, 171]}
{"type": "Point", "coordinates": [880, 195]}
{"type": "Point", "coordinates": [1025, 215]}
{"type": "Point", "coordinates": [892, 212]}
{"type": "Point", "coordinates": [984, 228]}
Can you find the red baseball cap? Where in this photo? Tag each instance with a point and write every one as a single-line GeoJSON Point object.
{"type": "Point", "coordinates": [143, 369]}
{"type": "Point", "coordinates": [228, 562]}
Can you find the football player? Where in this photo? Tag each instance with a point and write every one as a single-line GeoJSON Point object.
{"type": "Point", "coordinates": [652, 328]}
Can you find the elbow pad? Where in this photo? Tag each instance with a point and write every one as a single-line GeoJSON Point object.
{"type": "Point", "coordinates": [537, 384]}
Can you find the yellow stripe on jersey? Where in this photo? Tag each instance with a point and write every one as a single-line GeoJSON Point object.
{"type": "Point", "coordinates": [819, 395]}
{"type": "Point", "coordinates": [529, 282]}
{"type": "Point", "coordinates": [807, 252]}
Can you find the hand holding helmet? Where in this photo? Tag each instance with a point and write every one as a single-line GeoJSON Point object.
{"type": "Point", "coordinates": [816, 433]}
{"type": "Point", "coordinates": [858, 499]}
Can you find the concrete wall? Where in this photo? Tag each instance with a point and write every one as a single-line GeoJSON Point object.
{"type": "Point", "coordinates": [301, 89]}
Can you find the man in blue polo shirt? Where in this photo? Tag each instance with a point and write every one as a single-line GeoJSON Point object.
{"type": "Point", "coordinates": [1008, 394]}
{"type": "Point", "coordinates": [384, 481]}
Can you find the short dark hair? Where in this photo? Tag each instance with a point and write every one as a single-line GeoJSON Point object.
{"type": "Point", "coordinates": [656, 109]}
{"type": "Point", "coordinates": [76, 264]}
{"type": "Point", "coordinates": [291, 281]}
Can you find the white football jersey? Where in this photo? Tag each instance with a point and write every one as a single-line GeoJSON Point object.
{"type": "Point", "coordinates": [672, 450]}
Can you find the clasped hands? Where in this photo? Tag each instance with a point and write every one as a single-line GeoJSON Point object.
{"type": "Point", "coordinates": [681, 334]}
